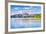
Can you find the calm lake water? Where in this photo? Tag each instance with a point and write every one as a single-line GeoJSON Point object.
{"type": "Point", "coordinates": [25, 23]}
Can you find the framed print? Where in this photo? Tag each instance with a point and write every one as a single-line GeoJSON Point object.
{"type": "Point", "coordinates": [25, 17]}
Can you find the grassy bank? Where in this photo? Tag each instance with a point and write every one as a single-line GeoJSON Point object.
{"type": "Point", "coordinates": [36, 16]}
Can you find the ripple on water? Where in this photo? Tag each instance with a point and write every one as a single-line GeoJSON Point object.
{"type": "Point", "coordinates": [25, 23]}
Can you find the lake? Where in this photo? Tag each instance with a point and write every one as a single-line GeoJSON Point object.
{"type": "Point", "coordinates": [25, 23]}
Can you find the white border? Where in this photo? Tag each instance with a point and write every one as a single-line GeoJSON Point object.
{"type": "Point", "coordinates": [24, 29]}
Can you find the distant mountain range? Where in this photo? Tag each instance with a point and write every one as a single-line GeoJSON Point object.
{"type": "Point", "coordinates": [25, 12]}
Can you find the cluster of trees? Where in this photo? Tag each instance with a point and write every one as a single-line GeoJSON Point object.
{"type": "Point", "coordinates": [26, 16]}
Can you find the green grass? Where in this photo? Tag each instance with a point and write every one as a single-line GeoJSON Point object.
{"type": "Point", "coordinates": [37, 16]}
{"type": "Point", "coordinates": [34, 16]}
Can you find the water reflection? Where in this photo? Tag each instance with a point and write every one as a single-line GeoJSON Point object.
{"type": "Point", "coordinates": [25, 23]}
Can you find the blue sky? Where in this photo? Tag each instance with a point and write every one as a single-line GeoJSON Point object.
{"type": "Point", "coordinates": [35, 9]}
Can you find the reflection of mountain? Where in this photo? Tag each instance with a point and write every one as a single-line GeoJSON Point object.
{"type": "Point", "coordinates": [25, 23]}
